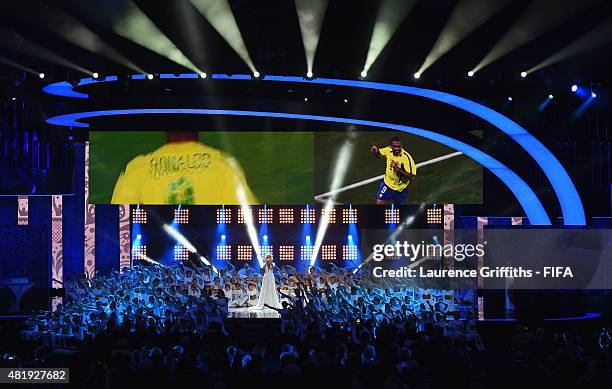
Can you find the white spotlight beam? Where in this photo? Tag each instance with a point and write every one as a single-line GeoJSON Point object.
{"type": "Point", "coordinates": [247, 214]}
{"type": "Point", "coordinates": [65, 26]}
{"type": "Point", "coordinates": [14, 41]}
{"type": "Point", "coordinates": [149, 259]}
{"type": "Point", "coordinates": [251, 230]}
{"type": "Point", "coordinates": [311, 14]}
{"type": "Point", "coordinates": [540, 16]}
{"type": "Point", "coordinates": [596, 37]}
{"type": "Point", "coordinates": [134, 25]}
{"type": "Point", "coordinates": [10, 62]}
{"type": "Point", "coordinates": [180, 238]}
{"type": "Point", "coordinates": [390, 15]}
{"type": "Point", "coordinates": [207, 263]}
{"type": "Point", "coordinates": [466, 17]}
{"type": "Point", "coordinates": [341, 166]}
{"type": "Point", "coordinates": [219, 14]}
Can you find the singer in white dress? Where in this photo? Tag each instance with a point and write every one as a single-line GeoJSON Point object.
{"type": "Point", "coordinates": [267, 293]}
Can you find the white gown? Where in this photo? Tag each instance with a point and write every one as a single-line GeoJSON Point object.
{"type": "Point", "coordinates": [267, 294]}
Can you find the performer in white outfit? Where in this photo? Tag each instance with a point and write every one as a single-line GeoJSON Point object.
{"type": "Point", "coordinates": [267, 293]}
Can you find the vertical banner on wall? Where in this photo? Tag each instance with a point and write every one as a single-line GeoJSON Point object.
{"type": "Point", "coordinates": [57, 249]}
{"type": "Point", "coordinates": [125, 256]}
{"type": "Point", "coordinates": [449, 231]}
{"type": "Point", "coordinates": [22, 211]}
{"type": "Point", "coordinates": [57, 266]}
{"type": "Point", "coordinates": [90, 223]}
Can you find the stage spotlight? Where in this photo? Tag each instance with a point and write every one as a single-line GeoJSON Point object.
{"type": "Point", "coordinates": [417, 75]}
{"type": "Point", "coordinates": [465, 18]}
{"type": "Point", "coordinates": [509, 98]}
{"type": "Point", "coordinates": [285, 216]}
{"type": "Point", "coordinates": [345, 101]}
{"type": "Point", "coordinates": [181, 216]}
{"type": "Point", "coordinates": [149, 76]}
{"type": "Point", "coordinates": [14, 41]}
{"type": "Point", "coordinates": [391, 14]}
{"type": "Point", "coordinates": [598, 36]}
{"type": "Point", "coordinates": [392, 215]}
{"type": "Point", "coordinates": [434, 215]}
{"type": "Point", "coordinates": [307, 215]}
{"type": "Point", "coordinates": [349, 216]}
{"type": "Point", "coordinates": [220, 15]}
{"type": "Point", "coordinates": [305, 99]}
{"type": "Point", "coordinates": [203, 75]}
{"type": "Point", "coordinates": [536, 19]}
{"type": "Point", "coordinates": [309, 75]}
{"type": "Point", "coordinates": [245, 253]}
{"type": "Point", "coordinates": [286, 253]}
{"type": "Point", "coordinates": [41, 75]}
{"type": "Point", "coordinates": [256, 74]}
{"type": "Point", "coordinates": [523, 74]}
{"type": "Point", "coordinates": [574, 88]}
{"type": "Point", "coordinates": [139, 237]}
{"type": "Point", "coordinates": [593, 94]}
{"type": "Point", "coordinates": [139, 216]}
{"type": "Point", "coordinates": [350, 237]}
{"type": "Point", "coordinates": [550, 96]}
{"type": "Point", "coordinates": [311, 14]}
{"type": "Point", "coordinates": [95, 75]}
{"type": "Point", "coordinates": [307, 237]}
{"type": "Point", "coordinates": [65, 26]}
{"type": "Point", "coordinates": [266, 215]}
{"type": "Point", "coordinates": [265, 237]}
{"type": "Point", "coordinates": [17, 65]}
{"type": "Point", "coordinates": [363, 74]}
{"type": "Point", "coordinates": [223, 237]}
{"type": "Point", "coordinates": [133, 24]}
{"type": "Point", "coordinates": [470, 73]}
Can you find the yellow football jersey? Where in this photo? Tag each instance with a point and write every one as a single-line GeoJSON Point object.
{"type": "Point", "coordinates": [183, 173]}
{"type": "Point", "coordinates": [392, 179]}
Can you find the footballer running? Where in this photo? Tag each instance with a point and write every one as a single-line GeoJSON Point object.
{"type": "Point", "coordinates": [400, 172]}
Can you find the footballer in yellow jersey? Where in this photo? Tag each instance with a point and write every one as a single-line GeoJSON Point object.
{"type": "Point", "coordinates": [183, 171]}
{"type": "Point", "coordinates": [400, 172]}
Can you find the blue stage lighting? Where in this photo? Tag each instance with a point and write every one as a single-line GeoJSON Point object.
{"type": "Point", "coordinates": [571, 206]}
{"type": "Point", "coordinates": [550, 96]}
{"type": "Point", "coordinates": [307, 237]}
{"type": "Point", "coordinates": [265, 237]}
{"type": "Point", "coordinates": [350, 237]}
{"type": "Point", "coordinates": [139, 237]}
{"type": "Point", "coordinates": [593, 94]}
{"type": "Point", "coordinates": [223, 237]}
{"type": "Point", "coordinates": [574, 88]}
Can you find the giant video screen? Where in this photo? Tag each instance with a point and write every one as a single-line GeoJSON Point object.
{"type": "Point", "coordinates": [277, 167]}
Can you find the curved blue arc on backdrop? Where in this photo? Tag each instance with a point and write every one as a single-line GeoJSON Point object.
{"type": "Point", "coordinates": [569, 199]}
{"type": "Point", "coordinates": [527, 198]}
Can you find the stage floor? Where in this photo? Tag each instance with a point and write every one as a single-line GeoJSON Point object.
{"type": "Point", "coordinates": [246, 313]}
